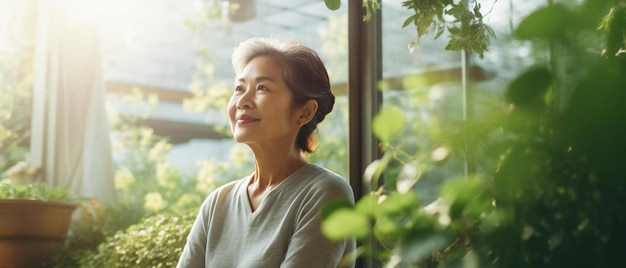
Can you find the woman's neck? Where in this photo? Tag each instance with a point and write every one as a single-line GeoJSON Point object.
{"type": "Point", "coordinates": [274, 165]}
{"type": "Point", "coordinates": [271, 168]}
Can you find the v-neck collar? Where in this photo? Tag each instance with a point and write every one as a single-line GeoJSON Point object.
{"type": "Point", "coordinates": [246, 199]}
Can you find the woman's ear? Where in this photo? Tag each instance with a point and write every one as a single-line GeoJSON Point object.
{"type": "Point", "coordinates": [307, 112]}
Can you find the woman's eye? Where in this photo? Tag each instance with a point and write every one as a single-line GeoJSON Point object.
{"type": "Point", "coordinates": [239, 89]}
{"type": "Point", "coordinates": [261, 87]}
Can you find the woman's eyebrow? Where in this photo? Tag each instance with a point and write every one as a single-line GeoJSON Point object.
{"type": "Point", "coordinates": [259, 79]}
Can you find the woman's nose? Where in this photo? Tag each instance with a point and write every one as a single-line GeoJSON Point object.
{"type": "Point", "coordinates": [245, 101]}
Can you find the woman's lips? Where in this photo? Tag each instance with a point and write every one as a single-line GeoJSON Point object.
{"type": "Point", "coordinates": [244, 119]}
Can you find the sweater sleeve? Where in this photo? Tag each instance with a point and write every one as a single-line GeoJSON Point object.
{"type": "Point", "coordinates": [195, 249]}
{"type": "Point", "coordinates": [308, 247]}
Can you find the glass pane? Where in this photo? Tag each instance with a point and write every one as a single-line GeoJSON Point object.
{"type": "Point", "coordinates": [425, 80]}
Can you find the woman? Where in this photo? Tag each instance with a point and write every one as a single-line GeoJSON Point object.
{"type": "Point", "coordinates": [271, 217]}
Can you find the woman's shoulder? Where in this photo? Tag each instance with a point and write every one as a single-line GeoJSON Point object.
{"type": "Point", "coordinates": [324, 181]}
{"type": "Point", "coordinates": [232, 184]}
{"type": "Point", "coordinates": [225, 190]}
{"type": "Point", "coordinates": [323, 175]}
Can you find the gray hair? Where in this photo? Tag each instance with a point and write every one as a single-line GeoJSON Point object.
{"type": "Point", "coordinates": [303, 72]}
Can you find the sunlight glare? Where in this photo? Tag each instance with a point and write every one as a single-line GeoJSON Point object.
{"type": "Point", "coordinates": [111, 17]}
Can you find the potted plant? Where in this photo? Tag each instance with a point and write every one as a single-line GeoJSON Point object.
{"type": "Point", "coordinates": [34, 217]}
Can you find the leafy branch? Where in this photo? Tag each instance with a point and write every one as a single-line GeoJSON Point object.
{"type": "Point", "coordinates": [466, 28]}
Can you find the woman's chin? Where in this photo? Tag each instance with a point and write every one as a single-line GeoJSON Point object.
{"type": "Point", "coordinates": [242, 138]}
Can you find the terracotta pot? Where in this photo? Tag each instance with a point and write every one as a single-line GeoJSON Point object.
{"type": "Point", "coordinates": [32, 231]}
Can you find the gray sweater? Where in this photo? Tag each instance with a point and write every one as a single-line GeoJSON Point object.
{"type": "Point", "coordinates": [284, 231]}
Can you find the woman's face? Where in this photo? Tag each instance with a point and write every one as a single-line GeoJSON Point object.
{"type": "Point", "coordinates": [260, 109]}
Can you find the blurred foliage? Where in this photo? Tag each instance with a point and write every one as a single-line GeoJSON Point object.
{"type": "Point", "coordinates": [332, 149]}
{"type": "Point", "coordinates": [209, 96]}
{"type": "Point", "coordinates": [547, 188]}
{"type": "Point", "coordinates": [142, 170]}
{"type": "Point", "coordinates": [146, 182]}
{"type": "Point", "coordinates": [155, 241]}
{"type": "Point", "coordinates": [16, 89]}
{"type": "Point", "coordinates": [335, 47]}
{"type": "Point", "coordinates": [210, 13]}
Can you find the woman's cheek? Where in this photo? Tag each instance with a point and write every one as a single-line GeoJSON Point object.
{"type": "Point", "coordinates": [231, 110]}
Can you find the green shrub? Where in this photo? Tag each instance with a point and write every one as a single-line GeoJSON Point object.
{"type": "Point", "coordinates": [155, 241]}
{"type": "Point", "coordinates": [39, 191]}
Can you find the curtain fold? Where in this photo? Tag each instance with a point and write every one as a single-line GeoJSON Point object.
{"type": "Point", "coordinates": [70, 130]}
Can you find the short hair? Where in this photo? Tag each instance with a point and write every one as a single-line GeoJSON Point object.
{"type": "Point", "coordinates": [303, 72]}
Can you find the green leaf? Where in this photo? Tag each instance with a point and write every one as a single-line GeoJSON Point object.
{"type": "Point", "coordinates": [467, 199]}
{"type": "Point", "coordinates": [332, 4]}
{"type": "Point", "coordinates": [461, 190]}
{"type": "Point", "coordinates": [409, 20]}
{"type": "Point", "coordinates": [454, 44]}
{"type": "Point", "coordinates": [416, 246]}
{"type": "Point", "coordinates": [424, 23]}
{"type": "Point", "coordinates": [388, 229]}
{"type": "Point", "coordinates": [547, 22]}
{"type": "Point", "coordinates": [528, 88]}
{"type": "Point", "coordinates": [368, 205]}
{"type": "Point", "coordinates": [388, 123]}
{"type": "Point", "coordinates": [333, 206]}
{"type": "Point", "coordinates": [454, 30]}
{"type": "Point", "coordinates": [614, 26]}
{"type": "Point", "coordinates": [346, 223]}
{"type": "Point", "coordinates": [397, 203]}
{"type": "Point", "coordinates": [440, 30]}
{"type": "Point", "coordinates": [461, 258]}
{"type": "Point", "coordinates": [477, 12]}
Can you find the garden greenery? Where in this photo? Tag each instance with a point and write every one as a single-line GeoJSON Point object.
{"type": "Point", "coordinates": [155, 241]}
{"type": "Point", "coordinates": [548, 186]}
{"type": "Point", "coordinates": [36, 191]}
{"type": "Point", "coordinates": [16, 81]}
{"type": "Point", "coordinates": [465, 26]}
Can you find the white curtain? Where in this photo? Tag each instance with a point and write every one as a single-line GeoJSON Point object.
{"type": "Point", "coordinates": [70, 131]}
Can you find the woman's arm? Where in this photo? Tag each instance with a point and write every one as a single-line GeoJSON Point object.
{"type": "Point", "coordinates": [195, 249]}
{"type": "Point", "coordinates": [308, 247]}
